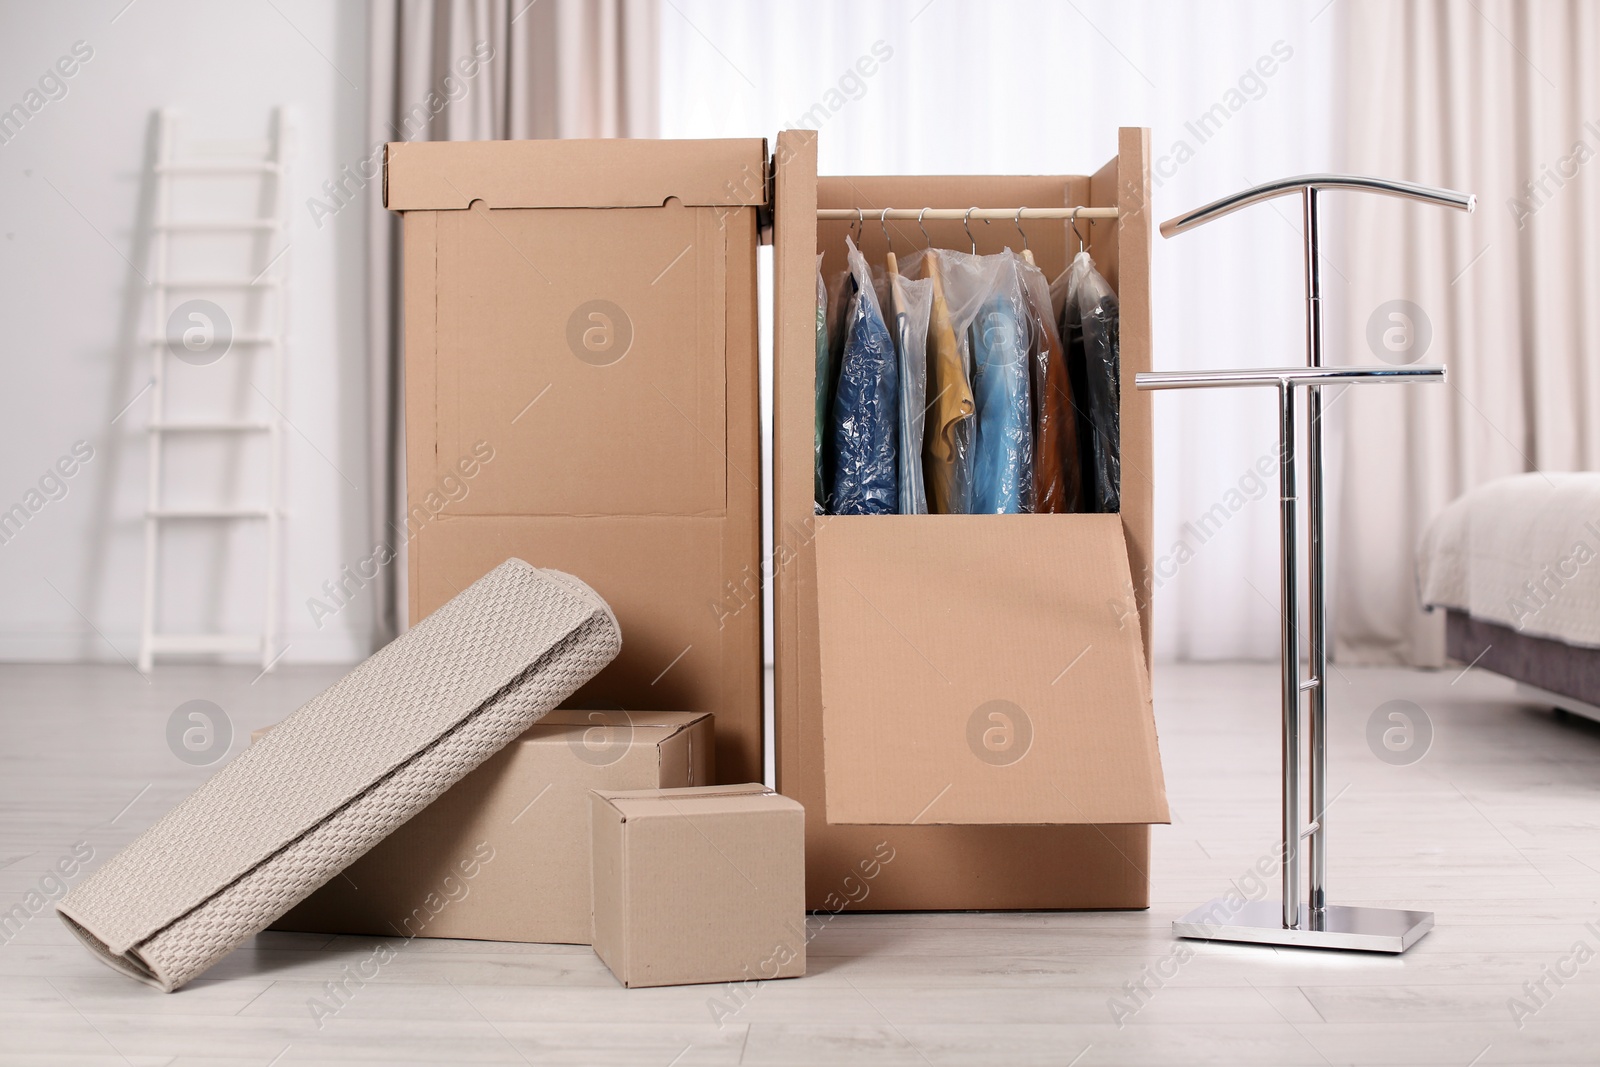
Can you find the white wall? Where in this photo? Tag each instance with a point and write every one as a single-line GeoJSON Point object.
{"type": "Point", "coordinates": [974, 87]}
{"type": "Point", "coordinates": [73, 189]}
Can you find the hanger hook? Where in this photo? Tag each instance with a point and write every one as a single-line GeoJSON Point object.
{"type": "Point", "coordinates": [861, 226]}
{"type": "Point", "coordinates": [966, 224]}
{"type": "Point", "coordinates": [1078, 233]}
{"type": "Point", "coordinates": [1024, 233]}
{"type": "Point", "coordinates": [927, 241]}
{"type": "Point", "coordinates": [883, 224]}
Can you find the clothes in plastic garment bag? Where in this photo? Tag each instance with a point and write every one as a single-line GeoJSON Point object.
{"type": "Point", "coordinates": [909, 303]}
{"type": "Point", "coordinates": [1002, 453]}
{"type": "Point", "coordinates": [1057, 471]}
{"type": "Point", "coordinates": [947, 434]}
{"type": "Point", "coordinates": [865, 422]}
{"type": "Point", "coordinates": [1089, 330]}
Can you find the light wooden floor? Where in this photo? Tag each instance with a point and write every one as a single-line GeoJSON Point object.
{"type": "Point", "coordinates": [1494, 830]}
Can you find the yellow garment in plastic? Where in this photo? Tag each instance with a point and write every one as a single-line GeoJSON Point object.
{"type": "Point", "coordinates": [948, 435]}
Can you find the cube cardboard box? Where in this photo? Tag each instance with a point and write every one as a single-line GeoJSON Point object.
{"type": "Point", "coordinates": [503, 855]}
{"type": "Point", "coordinates": [699, 885]}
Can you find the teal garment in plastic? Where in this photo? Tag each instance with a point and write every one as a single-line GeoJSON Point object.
{"type": "Point", "coordinates": [1002, 463]}
{"type": "Point", "coordinates": [866, 408]}
{"type": "Point", "coordinates": [909, 305]}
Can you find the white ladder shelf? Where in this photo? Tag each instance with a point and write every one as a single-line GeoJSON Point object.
{"type": "Point", "coordinates": [173, 339]}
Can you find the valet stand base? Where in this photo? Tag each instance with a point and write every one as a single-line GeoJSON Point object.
{"type": "Point", "coordinates": [1338, 927]}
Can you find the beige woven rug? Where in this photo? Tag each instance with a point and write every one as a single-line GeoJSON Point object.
{"type": "Point", "coordinates": [340, 774]}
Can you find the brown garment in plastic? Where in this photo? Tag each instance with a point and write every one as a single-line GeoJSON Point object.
{"type": "Point", "coordinates": [1057, 470]}
{"type": "Point", "coordinates": [948, 431]}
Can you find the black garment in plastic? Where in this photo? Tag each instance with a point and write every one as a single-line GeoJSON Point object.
{"type": "Point", "coordinates": [1089, 330]}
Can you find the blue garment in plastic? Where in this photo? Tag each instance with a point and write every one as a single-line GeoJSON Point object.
{"type": "Point", "coordinates": [866, 408]}
{"type": "Point", "coordinates": [1002, 462]}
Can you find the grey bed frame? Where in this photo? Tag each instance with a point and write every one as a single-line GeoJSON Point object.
{"type": "Point", "coordinates": [1546, 671]}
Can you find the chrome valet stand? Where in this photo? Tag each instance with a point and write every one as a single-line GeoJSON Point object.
{"type": "Point", "coordinates": [1308, 922]}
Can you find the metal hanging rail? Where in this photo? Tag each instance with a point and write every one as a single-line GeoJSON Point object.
{"type": "Point", "coordinates": [1311, 922]}
{"type": "Point", "coordinates": [1314, 183]}
{"type": "Point", "coordinates": [962, 214]}
{"type": "Point", "coordinates": [1289, 376]}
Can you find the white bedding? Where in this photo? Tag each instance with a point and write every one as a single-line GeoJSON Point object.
{"type": "Point", "coordinates": [1523, 552]}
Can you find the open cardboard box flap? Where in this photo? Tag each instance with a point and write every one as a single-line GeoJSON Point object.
{"type": "Point", "coordinates": [449, 175]}
{"type": "Point", "coordinates": [983, 669]}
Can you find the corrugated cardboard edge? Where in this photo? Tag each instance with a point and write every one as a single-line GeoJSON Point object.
{"type": "Point", "coordinates": [699, 763]}
{"type": "Point", "coordinates": [611, 797]}
{"type": "Point", "coordinates": [793, 432]}
{"type": "Point", "coordinates": [1124, 182]}
{"type": "Point", "coordinates": [608, 879]}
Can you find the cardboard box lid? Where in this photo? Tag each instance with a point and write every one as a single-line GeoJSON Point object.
{"type": "Point", "coordinates": [695, 800]}
{"type": "Point", "coordinates": [450, 175]}
{"type": "Point", "coordinates": [983, 669]}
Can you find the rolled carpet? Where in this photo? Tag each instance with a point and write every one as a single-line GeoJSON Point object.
{"type": "Point", "coordinates": [341, 773]}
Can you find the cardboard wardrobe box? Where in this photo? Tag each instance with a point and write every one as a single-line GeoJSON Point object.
{"type": "Point", "coordinates": [699, 885]}
{"type": "Point", "coordinates": [967, 693]}
{"type": "Point", "coordinates": [503, 855]}
{"type": "Point", "coordinates": [581, 392]}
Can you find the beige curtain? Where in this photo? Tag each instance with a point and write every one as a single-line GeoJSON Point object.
{"type": "Point", "coordinates": [480, 70]}
{"type": "Point", "coordinates": [1502, 99]}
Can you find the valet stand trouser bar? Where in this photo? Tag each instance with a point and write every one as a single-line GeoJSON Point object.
{"type": "Point", "coordinates": [1317, 925]}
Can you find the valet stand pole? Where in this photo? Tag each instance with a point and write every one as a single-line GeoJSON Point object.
{"type": "Point", "coordinates": [1304, 918]}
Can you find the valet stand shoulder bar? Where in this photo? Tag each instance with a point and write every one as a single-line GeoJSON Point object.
{"type": "Point", "coordinates": [1307, 921]}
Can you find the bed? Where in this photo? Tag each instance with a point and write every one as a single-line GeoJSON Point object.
{"type": "Point", "coordinates": [1515, 566]}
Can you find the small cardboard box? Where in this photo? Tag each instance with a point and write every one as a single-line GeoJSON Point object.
{"type": "Point", "coordinates": [503, 855]}
{"type": "Point", "coordinates": [699, 885]}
